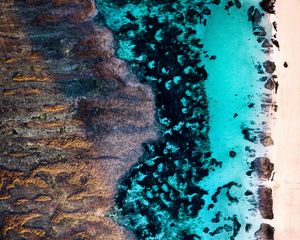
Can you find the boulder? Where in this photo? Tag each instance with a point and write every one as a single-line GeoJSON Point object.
{"type": "Point", "coordinates": [269, 66]}
{"type": "Point", "coordinates": [275, 42]}
{"type": "Point", "coordinates": [237, 3]}
{"type": "Point", "coordinates": [265, 232]}
{"type": "Point", "coordinates": [265, 202]}
{"type": "Point", "coordinates": [267, 141]}
{"type": "Point", "coordinates": [263, 167]}
{"type": "Point", "coordinates": [268, 6]}
{"type": "Point", "coordinates": [270, 84]}
{"type": "Point", "coordinates": [259, 31]}
{"type": "Point", "coordinates": [266, 44]}
{"type": "Point", "coordinates": [254, 15]}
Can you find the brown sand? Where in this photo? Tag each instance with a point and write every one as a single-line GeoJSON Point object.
{"type": "Point", "coordinates": [286, 125]}
{"type": "Point", "coordinates": [62, 150]}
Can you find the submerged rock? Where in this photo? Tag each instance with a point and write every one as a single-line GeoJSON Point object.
{"type": "Point", "coordinates": [248, 227]}
{"type": "Point", "coordinates": [254, 16]}
{"type": "Point", "coordinates": [259, 31]}
{"type": "Point", "coordinates": [249, 135]}
{"type": "Point", "coordinates": [266, 44]}
{"type": "Point", "coordinates": [237, 3]}
{"type": "Point", "coordinates": [232, 153]}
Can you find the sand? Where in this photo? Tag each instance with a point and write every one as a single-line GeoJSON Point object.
{"type": "Point", "coordinates": [286, 124]}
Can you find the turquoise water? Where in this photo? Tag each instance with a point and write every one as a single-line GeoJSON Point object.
{"type": "Point", "coordinates": [200, 58]}
{"type": "Point", "coordinates": [233, 87]}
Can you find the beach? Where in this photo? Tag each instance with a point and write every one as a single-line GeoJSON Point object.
{"type": "Point", "coordinates": [285, 126]}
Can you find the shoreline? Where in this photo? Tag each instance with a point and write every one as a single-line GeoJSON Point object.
{"type": "Point", "coordinates": [263, 165]}
{"type": "Point", "coordinates": [264, 211]}
{"type": "Point", "coordinates": [285, 152]}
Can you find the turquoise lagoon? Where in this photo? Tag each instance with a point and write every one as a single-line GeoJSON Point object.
{"type": "Point", "coordinates": [201, 59]}
{"type": "Point", "coordinates": [234, 87]}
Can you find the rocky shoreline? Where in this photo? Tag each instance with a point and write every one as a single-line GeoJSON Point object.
{"type": "Point", "coordinates": [72, 116]}
{"type": "Point", "coordinates": [266, 232]}
{"type": "Point", "coordinates": [263, 166]}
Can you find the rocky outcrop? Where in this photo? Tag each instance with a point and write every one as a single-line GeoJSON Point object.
{"type": "Point", "coordinates": [266, 232]}
{"type": "Point", "coordinates": [267, 141]}
{"type": "Point", "coordinates": [254, 16]}
{"type": "Point", "coordinates": [263, 167]}
{"type": "Point", "coordinates": [265, 202]}
{"type": "Point", "coordinates": [270, 84]}
{"type": "Point", "coordinates": [72, 120]}
{"type": "Point", "coordinates": [268, 6]}
{"type": "Point", "coordinates": [266, 44]}
{"type": "Point", "coordinates": [269, 66]}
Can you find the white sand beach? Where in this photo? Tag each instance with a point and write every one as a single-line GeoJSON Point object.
{"type": "Point", "coordinates": [286, 124]}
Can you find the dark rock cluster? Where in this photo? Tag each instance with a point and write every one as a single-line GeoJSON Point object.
{"type": "Point", "coordinates": [267, 141]}
{"type": "Point", "coordinates": [263, 167]}
{"type": "Point", "coordinates": [268, 6]}
{"type": "Point", "coordinates": [266, 202]}
{"type": "Point", "coordinates": [269, 66]}
{"type": "Point", "coordinates": [266, 232]}
{"type": "Point", "coordinates": [255, 16]}
{"type": "Point", "coordinates": [232, 3]}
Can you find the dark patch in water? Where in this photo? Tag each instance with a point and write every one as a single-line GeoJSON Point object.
{"type": "Point", "coordinates": [251, 105]}
{"type": "Point", "coordinates": [248, 193]}
{"type": "Point", "coordinates": [163, 191]}
{"type": "Point", "coordinates": [227, 188]}
{"type": "Point", "coordinates": [247, 132]}
{"type": "Point", "coordinates": [248, 227]}
{"type": "Point", "coordinates": [232, 153]}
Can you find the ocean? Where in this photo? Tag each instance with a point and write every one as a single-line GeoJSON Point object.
{"type": "Point", "coordinates": [203, 60]}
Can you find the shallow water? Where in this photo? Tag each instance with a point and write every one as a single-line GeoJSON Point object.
{"type": "Point", "coordinates": [233, 87]}
{"type": "Point", "coordinates": [186, 185]}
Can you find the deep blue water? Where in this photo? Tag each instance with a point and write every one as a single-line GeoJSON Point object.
{"type": "Point", "coordinates": [201, 59]}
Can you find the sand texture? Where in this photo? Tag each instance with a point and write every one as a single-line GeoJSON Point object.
{"type": "Point", "coordinates": [70, 124]}
{"type": "Point", "coordinates": [286, 128]}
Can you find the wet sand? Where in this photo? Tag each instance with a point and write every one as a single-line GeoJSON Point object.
{"type": "Point", "coordinates": [286, 128]}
